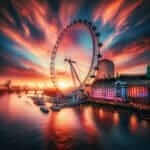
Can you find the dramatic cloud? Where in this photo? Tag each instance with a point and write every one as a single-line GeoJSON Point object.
{"type": "Point", "coordinates": [133, 55]}
{"type": "Point", "coordinates": [30, 28]}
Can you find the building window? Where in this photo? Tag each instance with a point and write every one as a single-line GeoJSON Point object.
{"type": "Point", "coordinates": [138, 92]}
{"type": "Point", "coordinates": [103, 92]}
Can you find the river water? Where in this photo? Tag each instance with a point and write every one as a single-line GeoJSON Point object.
{"type": "Point", "coordinates": [24, 127]}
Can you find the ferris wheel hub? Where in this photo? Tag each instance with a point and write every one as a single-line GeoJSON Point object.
{"type": "Point", "coordinates": [95, 55]}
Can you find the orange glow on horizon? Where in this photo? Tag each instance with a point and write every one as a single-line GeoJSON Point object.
{"type": "Point", "coordinates": [64, 84]}
{"type": "Point", "coordinates": [32, 84]}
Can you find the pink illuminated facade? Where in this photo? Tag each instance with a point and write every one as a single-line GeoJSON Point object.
{"type": "Point", "coordinates": [125, 87]}
{"type": "Point", "coordinates": [104, 92]}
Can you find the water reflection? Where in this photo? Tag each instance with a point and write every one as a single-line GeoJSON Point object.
{"type": "Point", "coordinates": [101, 114]}
{"type": "Point", "coordinates": [133, 123]}
{"type": "Point", "coordinates": [21, 123]}
{"type": "Point", "coordinates": [89, 124]}
{"type": "Point", "coordinates": [68, 131]}
{"type": "Point", "coordinates": [63, 128]}
{"type": "Point", "coordinates": [109, 117]}
{"type": "Point", "coordinates": [116, 118]}
{"type": "Point", "coordinates": [20, 110]}
{"type": "Point", "coordinates": [85, 127]}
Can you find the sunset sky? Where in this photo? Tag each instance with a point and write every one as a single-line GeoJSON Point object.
{"type": "Point", "coordinates": [29, 30]}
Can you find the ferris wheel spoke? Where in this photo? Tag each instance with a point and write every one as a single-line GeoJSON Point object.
{"type": "Point", "coordinates": [77, 68]}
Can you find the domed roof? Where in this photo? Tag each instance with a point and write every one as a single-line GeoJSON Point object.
{"type": "Point", "coordinates": [106, 69]}
{"type": "Point", "coordinates": [106, 61]}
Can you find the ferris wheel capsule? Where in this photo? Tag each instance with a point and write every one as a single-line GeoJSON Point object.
{"type": "Point", "coordinates": [99, 55]}
{"type": "Point", "coordinates": [75, 21]}
{"type": "Point", "coordinates": [90, 23]}
{"type": "Point", "coordinates": [97, 34]}
{"type": "Point", "coordinates": [96, 68]}
{"type": "Point", "coordinates": [80, 20]}
{"type": "Point", "coordinates": [85, 21]}
{"type": "Point", "coordinates": [94, 28]}
{"type": "Point", "coordinates": [100, 44]}
{"type": "Point", "coordinates": [82, 90]}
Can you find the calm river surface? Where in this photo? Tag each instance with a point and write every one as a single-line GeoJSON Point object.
{"type": "Point", "coordinates": [24, 127]}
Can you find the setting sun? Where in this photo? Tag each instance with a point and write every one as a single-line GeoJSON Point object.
{"type": "Point", "coordinates": [64, 84]}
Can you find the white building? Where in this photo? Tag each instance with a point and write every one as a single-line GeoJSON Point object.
{"type": "Point", "coordinates": [106, 69]}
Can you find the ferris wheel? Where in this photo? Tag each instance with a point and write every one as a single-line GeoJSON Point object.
{"type": "Point", "coordinates": [70, 60]}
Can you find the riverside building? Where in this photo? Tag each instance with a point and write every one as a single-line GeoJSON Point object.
{"type": "Point", "coordinates": [122, 88]}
